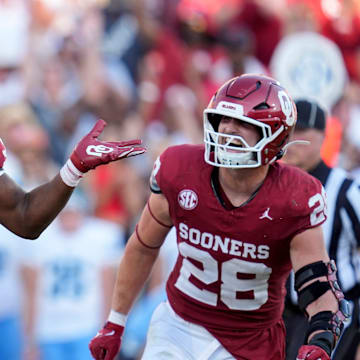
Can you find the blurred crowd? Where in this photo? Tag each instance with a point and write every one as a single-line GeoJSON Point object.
{"type": "Point", "coordinates": [148, 68]}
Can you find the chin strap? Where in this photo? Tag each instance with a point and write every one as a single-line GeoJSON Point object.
{"type": "Point", "coordinates": [302, 142]}
{"type": "Point", "coordinates": [282, 152]}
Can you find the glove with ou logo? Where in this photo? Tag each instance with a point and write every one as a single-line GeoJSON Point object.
{"type": "Point", "coordinates": [312, 352]}
{"type": "Point", "coordinates": [106, 344]}
{"type": "Point", "coordinates": [91, 152]}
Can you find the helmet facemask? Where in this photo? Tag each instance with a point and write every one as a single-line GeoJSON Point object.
{"type": "Point", "coordinates": [232, 151]}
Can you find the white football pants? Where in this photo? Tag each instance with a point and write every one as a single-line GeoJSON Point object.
{"type": "Point", "coordinates": [172, 338]}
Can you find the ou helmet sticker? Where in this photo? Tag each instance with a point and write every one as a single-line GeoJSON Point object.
{"type": "Point", "coordinates": [188, 199]}
{"type": "Point", "coordinates": [287, 107]}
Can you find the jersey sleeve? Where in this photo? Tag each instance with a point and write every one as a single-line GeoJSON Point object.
{"type": "Point", "coordinates": [314, 209]}
{"type": "Point", "coordinates": [154, 186]}
{"type": "Point", "coordinates": [165, 170]}
{"type": "Point", "coordinates": [2, 156]}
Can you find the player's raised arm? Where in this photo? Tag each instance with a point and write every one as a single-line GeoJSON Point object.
{"type": "Point", "coordinates": [27, 214]}
{"type": "Point", "coordinates": [320, 296]}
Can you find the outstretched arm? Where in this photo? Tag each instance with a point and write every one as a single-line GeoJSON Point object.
{"type": "Point", "coordinates": [27, 214]}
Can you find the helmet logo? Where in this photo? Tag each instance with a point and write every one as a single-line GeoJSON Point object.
{"type": "Point", "coordinates": [188, 199]}
{"type": "Point", "coordinates": [286, 107]}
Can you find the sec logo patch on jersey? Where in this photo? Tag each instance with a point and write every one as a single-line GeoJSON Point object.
{"type": "Point", "coordinates": [188, 199]}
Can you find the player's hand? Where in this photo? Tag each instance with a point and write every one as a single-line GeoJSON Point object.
{"type": "Point", "coordinates": [312, 352]}
{"type": "Point", "coordinates": [2, 154]}
{"type": "Point", "coordinates": [106, 344]}
{"type": "Point", "coordinates": [91, 152]}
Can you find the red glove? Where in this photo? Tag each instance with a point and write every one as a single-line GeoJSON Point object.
{"type": "Point", "coordinates": [106, 344]}
{"type": "Point", "coordinates": [2, 154]}
{"type": "Point", "coordinates": [312, 352]}
{"type": "Point", "coordinates": [90, 153]}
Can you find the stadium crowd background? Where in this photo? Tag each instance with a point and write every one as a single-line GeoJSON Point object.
{"type": "Point", "coordinates": [148, 68]}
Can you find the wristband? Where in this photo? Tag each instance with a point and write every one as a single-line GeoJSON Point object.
{"type": "Point", "coordinates": [117, 318]}
{"type": "Point", "coordinates": [70, 175]}
{"type": "Point", "coordinates": [324, 340]}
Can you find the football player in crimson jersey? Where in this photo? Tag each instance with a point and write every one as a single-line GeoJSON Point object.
{"type": "Point", "coordinates": [243, 221]}
{"type": "Point", "coordinates": [27, 214]}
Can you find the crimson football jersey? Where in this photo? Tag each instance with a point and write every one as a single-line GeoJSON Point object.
{"type": "Point", "coordinates": [233, 263]}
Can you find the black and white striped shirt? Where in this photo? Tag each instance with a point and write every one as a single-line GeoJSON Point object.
{"type": "Point", "coordinates": [342, 239]}
{"type": "Point", "coordinates": [342, 228]}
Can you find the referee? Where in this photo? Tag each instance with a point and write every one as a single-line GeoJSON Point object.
{"type": "Point", "coordinates": [341, 230]}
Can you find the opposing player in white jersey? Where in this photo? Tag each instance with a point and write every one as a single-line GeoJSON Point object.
{"type": "Point", "coordinates": [243, 221]}
{"type": "Point", "coordinates": [70, 273]}
{"type": "Point", "coordinates": [11, 329]}
{"type": "Point", "coordinates": [27, 214]}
